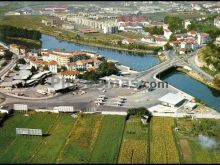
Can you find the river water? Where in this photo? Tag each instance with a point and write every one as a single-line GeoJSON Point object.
{"type": "Point", "coordinates": [132, 60]}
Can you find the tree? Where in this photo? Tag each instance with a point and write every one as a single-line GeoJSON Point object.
{"type": "Point", "coordinates": [139, 112]}
{"type": "Point", "coordinates": [33, 69]}
{"type": "Point", "coordinates": [21, 61]}
{"type": "Point", "coordinates": [175, 24]}
{"type": "Point", "coordinates": [172, 37]}
{"type": "Point", "coordinates": [16, 68]}
{"type": "Point", "coordinates": [45, 67]}
{"type": "Point", "coordinates": [63, 68]}
{"type": "Point", "coordinates": [8, 55]}
{"type": "Point", "coordinates": [167, 46]}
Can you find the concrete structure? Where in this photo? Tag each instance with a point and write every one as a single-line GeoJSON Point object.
{"type": "Point", "coordinates": [23, 75]}
{"type": "Point", "coordinates": [172, 100]}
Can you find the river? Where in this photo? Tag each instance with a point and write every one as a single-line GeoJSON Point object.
{"type": "Point", "coordinates": [195, 88]}
{"type": "Point", "coordinates": [132, 60]}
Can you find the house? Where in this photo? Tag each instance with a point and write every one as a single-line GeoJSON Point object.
{"type": "Point", "coordinates": [217, 22]}
{"type": "Point", "coordinates": [203, 38]}
{"type": "Point", "coordinates": [70, 74]}
{"type": "Point", "coordinates": [192, 33]}
{"type": "Point", "coordinates": [50, 22]}
{"type": "Point", "coordinates": [161, 41]}
{"type": "Point", "coordinates": [17, 49]}
{"type": "Point", "coordinates": [182, 51]}
{"type": "Point", "coordinates": [52, 66]}
{"type": "Point", "coordinates": [132, 18]}
{"type": "Point", "coordinates": [128, 41]}
{"type": "Point", "coordinates": [2, 50]}
{"type": "Point", "coordinates": [186, 23]}
{"type": "Point", "coordinates": [167, 33]}
{"type": "Point", "coordinates": [148, 39]}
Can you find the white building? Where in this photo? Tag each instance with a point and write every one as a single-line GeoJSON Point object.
{"type": "Point", "coordinates": [186, 23]}
{"type": "Point", "coordinates": [52, 66]}
{"type": "Point", "coordinates": [172, 100]}
{"type": "Point", "coordinates": [167, 33]}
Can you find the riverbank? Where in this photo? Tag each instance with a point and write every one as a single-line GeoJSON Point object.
{"type": "Point", "coordinates": [64, 38]}
{"type": "Point", "coordinates": [198, 77]}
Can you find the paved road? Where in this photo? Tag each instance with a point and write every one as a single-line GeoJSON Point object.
{"type": "Point", "coordinates": [192, 64]}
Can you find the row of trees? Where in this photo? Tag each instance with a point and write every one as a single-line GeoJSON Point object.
{"type": "Point", "coordinates": [154, 30]}
{"type": "Point", "coordinates": [11, 31]}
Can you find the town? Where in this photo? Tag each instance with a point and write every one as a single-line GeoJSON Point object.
{"type": "Point", "coordinates": [92, 72]}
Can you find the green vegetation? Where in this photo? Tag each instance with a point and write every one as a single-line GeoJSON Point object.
{"type": "Point", "coordinates": [190, 147]}
{"type": "Point", "coordinates": [78, 148]}
{"type": "Point", "coordinates": [18, 149]}
{"type": "Point", "coordinates": [104, 69]}
{"type": "Point", "coordinates": [139, 112]}
{"type": "Point", "coordinates": [21, 61]}
{"type": "Point", "coordinates": [8, 55]}
{"type": "Point", "coordinates": [154, 30]}
{"type": "Point", "coordinates": [175, 23]}
{"type": "Point", "coordinates": [94, 138]}
{"type": "Point", "coordinates": [134, 145]}
{"type": "Point", "coordinates": [107, 146]}
{"type": "Point", "coordinates": [4, 64]}
{"type": "Point", "coordinates": [11, 31]}
{"type": "Point", "coordinates": [58, 134]}
{"type": "Point", "coordinates": [211, 56]}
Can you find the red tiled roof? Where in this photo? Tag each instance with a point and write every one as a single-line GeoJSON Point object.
{"type": "Point", "coordinates": [52, 62]}
{"type": "Point", "coordinates": [131, 18]}
{"type": "Point", "coordinates": [182, 49]}
{"type": "Point", "coordinates": [70, 72]}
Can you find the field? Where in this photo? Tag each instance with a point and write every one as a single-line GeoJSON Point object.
{"type": "Point", "coordinates": [93, 138]}
{"type": "Point", "coordinates": [192, 151]}
{"type": "Point", "coordinates": [65, 140]}
{"type": "Point", "coordinates": [107, 147]}
{"type": "Point", "coordinates": [162, 143]}
{"type": "Point", "coordinates": [79, 146]}
{"type": "Point", "coordinates": [134, 144]}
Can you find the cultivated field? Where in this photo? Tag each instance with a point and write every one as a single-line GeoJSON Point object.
{"type": "Point", "coordinates": [66, 140]}
{"type": "Point", "coordinates": [107, 147]}
{"type": "Point", "coordinates": [93, 138]}
{"type": "Point", "coordinates": [162, 143]}
{"type": "Point", "coordinates": [134, 144]}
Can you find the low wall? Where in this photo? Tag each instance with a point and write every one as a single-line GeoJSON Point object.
{"type": "Point", "coordinates": [113, 113]}
{"type": "Point", "coordinates": [46, 110]}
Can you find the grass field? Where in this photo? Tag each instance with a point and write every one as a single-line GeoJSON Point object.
{"type": "Point", "coordinates": [107, 147]}
{"type": "Point", "coordinates": [104, 139]}
{"type": "Point", "coordinates": [162, 143]}
{"type": "Point", "coordinates": [79, 146]}
{"type": "Point", "coordinates": [18, 149]}
{"type": "Point", "coordinates": [191, 149]}
{"type": "Point", "coordinates": [134, 144]}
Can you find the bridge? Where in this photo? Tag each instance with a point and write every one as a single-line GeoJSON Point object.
{"type": "Point", "coordinates": [173, 60]}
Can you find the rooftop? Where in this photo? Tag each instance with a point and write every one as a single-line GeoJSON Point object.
{"type": "Point", "coordinates": [172, 98]}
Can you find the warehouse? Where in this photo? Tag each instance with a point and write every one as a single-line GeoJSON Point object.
{"type": "Point", "coordinates": [172, 100]}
